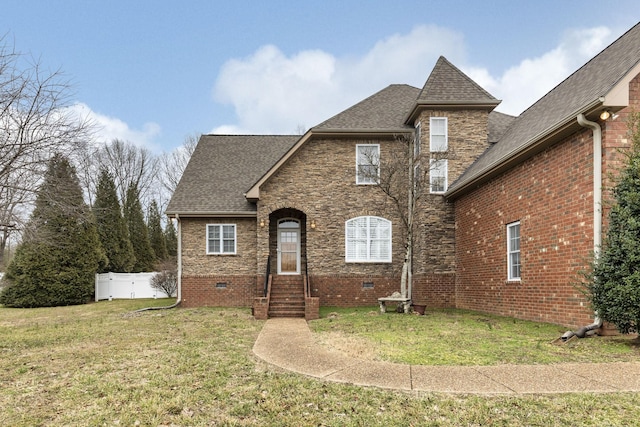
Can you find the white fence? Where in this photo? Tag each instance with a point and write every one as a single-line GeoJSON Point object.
{"type": "Point", "coordinates": [126, 286]}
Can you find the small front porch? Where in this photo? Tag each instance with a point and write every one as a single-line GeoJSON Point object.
{"type": "Point", "coordinates": [286, 287]}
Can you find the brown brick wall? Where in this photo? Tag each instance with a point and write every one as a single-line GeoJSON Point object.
{"type": "Point", "coordinates": [348, 291]}
{"type": "Point", "coordinates": [551, 196]}
{"type": "Point", "coordinates": [435, 290]}
{"type": "Point", "coordinates": [201, 291]}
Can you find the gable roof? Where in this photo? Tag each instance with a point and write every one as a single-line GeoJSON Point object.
{"type": "Point", "coordinates": [383, 111]}
{"type": "Point", "coordinates": [381, 114]}
{"type": "Point", "coordinates": [585, 91]}
{"type": "Point", "coordinates": [449, 87]}
{"type": "Point", "coordinates": [220, 171]}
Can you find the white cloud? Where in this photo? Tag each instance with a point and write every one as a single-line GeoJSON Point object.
{"type": "Point", "coordinates": [108, 128]}
{"type": "Point", "coordinates": [523, 84]}
{"type": "Point", "coordinates": [275, 93]}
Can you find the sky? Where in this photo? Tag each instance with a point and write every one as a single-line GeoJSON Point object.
{"type": "Point", "coordinates": [154, 72]}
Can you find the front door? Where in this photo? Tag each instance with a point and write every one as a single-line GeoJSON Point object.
{"type": "Point", "coordinates": [288, 246]}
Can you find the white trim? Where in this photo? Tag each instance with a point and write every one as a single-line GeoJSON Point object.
{"type": "Point", "coordinates": [510, 251]}
{"type": "Point", "coordinates": [358, 182]}
{"type": "Point", "coordinates": [443, 174]}
{"type": "Point", "coordinates": [298, 240]}
{"type": "Point", "coordinates": [435, 149]}
{"type": "Point", "coordinates": [367, 240]}
{"type": "Point", "coordinates": [221, 239]}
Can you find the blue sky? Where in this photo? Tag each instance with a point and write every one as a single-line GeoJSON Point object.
{"type": "Point", "coordinates": [153, 72]}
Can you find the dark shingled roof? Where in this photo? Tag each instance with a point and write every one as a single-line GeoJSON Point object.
{"type": "Point", "coordinates": [384, 110]}
{"type": "Point", "coordinates": [447, 84]}
{"type": "Point", "coordinates": [498, 124]}
{"type": "Point", "coordinates": [563, 103]}
{"type": "Point", "coordinates": [222, 168]}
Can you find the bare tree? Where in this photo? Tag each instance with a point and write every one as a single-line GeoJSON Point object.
{"type": "Point", "coordinates": [404, 176]}
{"type": "Point", "coordinates": [35, 123]}
{"type": "Point", "coordinates": [130, 165]}
{"type": "Point", "coordinates": [172, 164]}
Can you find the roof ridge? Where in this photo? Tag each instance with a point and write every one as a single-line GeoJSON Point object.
{"type": "Point", "coordinates": [443, 67]}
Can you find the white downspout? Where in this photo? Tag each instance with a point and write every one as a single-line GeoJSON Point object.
{"type": "Point", "coordinates": [597, 200]}
{"type": "Point", "coordinates": [597, 181]}
{"type": "Point", "coordinates": [179, 249]}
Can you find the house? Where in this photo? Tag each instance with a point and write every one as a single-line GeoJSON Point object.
{"type": "Point", "coordinates": [509, 217]}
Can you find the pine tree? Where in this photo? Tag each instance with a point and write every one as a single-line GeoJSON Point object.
{"type": "Point", "coordinates": [112, 228]}
{"type": "Point", "coordinates": [615, 287]}
{"type": "Point", "coordinates": [156, 235]}
{"type": "Point", "coordinates": [138, 232]}
{"type": "Point", "coordinates": [171, 239]}
{"type": "Point", "coordinates": [60, 254]}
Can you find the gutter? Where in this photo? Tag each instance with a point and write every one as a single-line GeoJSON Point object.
{"type": "Point", "coordinates": [534, 145]}
{"type": "Point", "coordinates": [597, 214]}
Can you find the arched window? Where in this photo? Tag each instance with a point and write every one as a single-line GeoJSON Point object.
{"type": "Point", "coordinates": [368, 239]}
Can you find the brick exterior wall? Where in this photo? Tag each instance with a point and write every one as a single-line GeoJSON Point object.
{"type": "Point", "coordinates": [435, 235]}
{"type": "Point", "coordinates": [435, 290]}
{"type": "Point", "coordinates": [551, 195]}
{"type": "Point", "coordinates": [201, 272]}
{"type": "Point", "coordinates": [203, 291]}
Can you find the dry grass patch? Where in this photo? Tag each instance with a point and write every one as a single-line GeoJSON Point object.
{"type": "Point", "coordinates": [98, 365]}
{"type": "Point", "coordinates": [457, 337]}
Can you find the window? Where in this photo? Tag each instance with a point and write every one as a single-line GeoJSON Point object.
{"type": "Point", "coordinates": [221, 239]}
{"type": "Point", "coordinates": [367, 161]}
{"type": "Point", "coordinates": [438, 175]}
{"type": "Point", "coordinates": [513, 251]}
{"type": "Point", "coordinates": [368, 239]}
{"type": "Point", "coordinates": [438, 135]}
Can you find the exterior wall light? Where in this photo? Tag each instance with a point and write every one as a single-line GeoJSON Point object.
{"type": "Point", "coordinates": [605, 115]}
{"type": "Point", "coordinates": [313, 224]}
{"type": "Point", "coordinates": [262, 223]}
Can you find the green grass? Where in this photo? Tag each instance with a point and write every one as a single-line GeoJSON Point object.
{"type": "Point", "coordinates": [101, 365]}
{"type": "Point", "coordinates": [456, 337]}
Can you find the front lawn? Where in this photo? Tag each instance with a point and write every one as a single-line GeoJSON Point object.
{"type": "Point", "coordinates": [102, 365]}
{"type": "Point", "coordinates": [458, 337]}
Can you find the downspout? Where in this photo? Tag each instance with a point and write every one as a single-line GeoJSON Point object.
{"type": "Point", "coordinates": [179, 291]}
{"type": "Point", "coordinates": [597, 214]}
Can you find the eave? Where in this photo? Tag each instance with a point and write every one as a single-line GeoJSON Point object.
{"type": "Point", "coordinates": [211, 214]}
{"type": "Point", "coordinates": [448, 105]}
{"type": "Point", "coordinates": [535, 145]}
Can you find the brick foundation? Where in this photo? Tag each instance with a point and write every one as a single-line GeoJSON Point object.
{"type": "Point", "coordinates": [434, 290]}
{"type": "Point", "coordinates": [352, 290]}
{"type": "Point", "coordinates": [209, 291]}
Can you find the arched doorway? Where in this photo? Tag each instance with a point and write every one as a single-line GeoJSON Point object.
{"type": "Point", "coordinates": [289, 247]}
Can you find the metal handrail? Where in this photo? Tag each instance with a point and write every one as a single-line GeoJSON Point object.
{"type": "Point", "coordinates": [266, 276]}
{"type": "Point", "coordinates": [307, 284]}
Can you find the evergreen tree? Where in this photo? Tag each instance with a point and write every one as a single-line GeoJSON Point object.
{"type": "Point", "coordinates": [138, 232]}
{"type": "Point", "coordinates": [614, 290]}
{"type": "Point", "coordinates": [60, 254]}
{"type": "Point", "coordinates": [171, 239]}
{"type": "Point", "coordinates": [156, 235]}
{"type": "Point", "coordinates": [112, 228]}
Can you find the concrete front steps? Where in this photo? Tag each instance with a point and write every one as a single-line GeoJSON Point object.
{"type": "Point", "coordinates": [287, 296]}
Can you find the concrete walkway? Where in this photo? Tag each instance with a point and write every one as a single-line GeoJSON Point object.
{"type": "Point", "coordinates": [289, 344]}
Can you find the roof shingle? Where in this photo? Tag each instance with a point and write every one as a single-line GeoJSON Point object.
{"type": "Point", "coordinates": [584, 87]}
{"type": "Point", "coordinates": [222, 168]}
